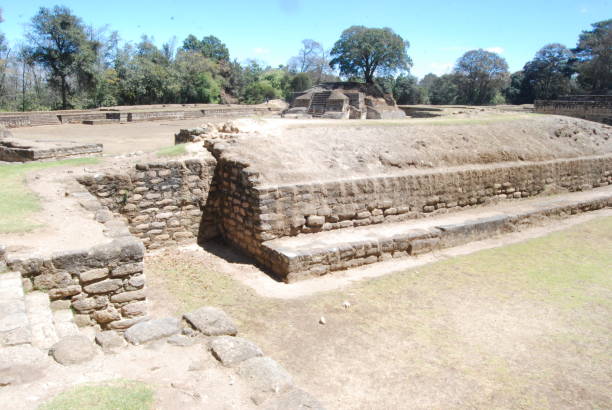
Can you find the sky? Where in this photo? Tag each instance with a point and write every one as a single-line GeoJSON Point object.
{"type": "Point", "coordinates": [439, 32]}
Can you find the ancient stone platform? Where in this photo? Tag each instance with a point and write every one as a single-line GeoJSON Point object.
{"type": "Point", "coordinates": [319, 253]}
{"type": "Point", "coordinates": [18, 150]}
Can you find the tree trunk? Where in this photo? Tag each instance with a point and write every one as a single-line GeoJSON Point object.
{"type": "Point", "coordinates": [64, 99]}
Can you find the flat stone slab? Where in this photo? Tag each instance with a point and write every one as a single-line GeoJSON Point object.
{"type": "Point", "coordinates": [150, 330]}
{"type": "Point", "coordinates": [211, 321]}
{"type": "Point", "coordinates": [265, 375]}
{"type": "Point", "coordinates": [230, 350]}
{"type": "Point", "coordinates": [73, 350]}
{"type": "Point", "coordinates": [110, 340]}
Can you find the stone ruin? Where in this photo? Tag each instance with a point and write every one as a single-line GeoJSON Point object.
{"type": "Point", "coordinates": [590, 107]}
{"type": "Point", "coordinates": [21, 150]}
{"type": "Point", "coordinates": [344, 100]}
{"type": "Point", "coordinates": [206, 131]}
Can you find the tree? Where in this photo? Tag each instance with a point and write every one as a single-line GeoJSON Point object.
{"type": "Point", "coordinates": [300, 82]}
{"type": "Point", "coordinates": [308, 59]}
{"type": "Point", "coordinates": [480, 75]}
{"type": "Point", "coordinates": [59, 44]}
{"type": "Point", "coordinates": [518, 91]}
{"type": "Point", "coordinates": [210, 46]}
{"type": "Point", "coordinates": [367, 52]}
{"type": "Point", "coordinates": [443, 90]}
{"type": "Point", "coordinates": [594, 55]}
{"type": "Point", "coordinates": [549, 73]}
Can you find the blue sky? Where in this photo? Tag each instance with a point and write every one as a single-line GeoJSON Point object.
{"type": "Point", "coordinates": [272, 30]}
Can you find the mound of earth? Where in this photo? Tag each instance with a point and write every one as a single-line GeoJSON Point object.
{"type": "Point", "coordinates": [301, 150]}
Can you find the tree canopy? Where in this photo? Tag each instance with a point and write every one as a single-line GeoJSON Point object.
{"type": "Point", "coordinates": [480, 74]}
{"type": "Point", "coordinates": [594, 54]}
{"type": "Point", "coordinates": [368, 52]}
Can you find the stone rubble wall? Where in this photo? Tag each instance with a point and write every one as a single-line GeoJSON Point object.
{"type": "Point", "coordinates": [11, 153]}
{"type": "Point", "coordinates": [103, 285]}
{"type": "Point", "coordinates": [288, 210]}
{"type": "Point", "coordinates": [162, 202]}
{"type": "Point", "coordinates": [308, 264]}
{"type": "Point", "coordinates": [599, 111]}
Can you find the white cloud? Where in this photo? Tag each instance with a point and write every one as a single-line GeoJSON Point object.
{"type": "Point", "coordinates": [261, 51]}
{"type": "Point", "coordinates": [584, 10]}
{"type": "Point", "coordinates": [498, 50]}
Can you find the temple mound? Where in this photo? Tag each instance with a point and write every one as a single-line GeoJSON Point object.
{"type": "Point", "coordinates": [344, 100]}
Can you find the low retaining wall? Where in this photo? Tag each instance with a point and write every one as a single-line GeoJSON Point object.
{"type": "Point", "coordinates": [599, 110]}
{"type": "Point", "coordinates": [162, 202]}
{"type": "Point", "coordinates": [287, 210]}
{"type": "Point", "coordinates": [103, 285]}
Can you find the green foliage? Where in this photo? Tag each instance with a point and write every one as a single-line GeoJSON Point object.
{"type": "Point", "coordinates": [548, 75]}
{"type": "Point", "coordinates": [300, 82]}
{"type": "Point", "coordinates": [406, 91]}
{"type": "Point", "coordinates": [260, 91]}
{"type": "Point", "coordinates": [366, 52]}
{"type": "Point", "coordinates": [444, 91]}
{"type": "Point", "coordinates": [210, 47]}
{"type": "Point", "coordinates": [172, 151]}
{"type": "Point", "coordinates": [59, 43]}
{"type": "Point", "coordinates": [117, 394]}
{"type": "Point", "coordinates": [479, 75]}
{"type": "Point", "coordinates": [594, 55]}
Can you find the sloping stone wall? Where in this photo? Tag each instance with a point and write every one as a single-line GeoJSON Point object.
{"type": "Point", "coordinates": [599, 110]}
{"type": "Point", "coordinates": [162, 202]}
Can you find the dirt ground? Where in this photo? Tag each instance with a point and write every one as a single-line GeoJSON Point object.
{"type": "Point", "coordinates": [330, 149]}
{"type": "Point", "coordinates": [519, 326]}
{"type": "Point", "coordinates": [117, 138]}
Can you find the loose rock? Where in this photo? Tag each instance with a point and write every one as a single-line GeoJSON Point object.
{"type": "Point", "coordinates": [211, 321]}
{"type": "Point", "coordinates": [150, 330]}
{"type": "Point", "coordinates": [265, 374]}
{"type": "Point", "coordinates": [233, 350]}
{"type": "Point", "coordinates": [73, 350]}
{"type": "Point", "coordinates": [110, 341]}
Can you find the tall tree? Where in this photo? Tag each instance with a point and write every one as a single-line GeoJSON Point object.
{"type": "Point", "coordinates": [369, 52]}
{"type": "Point", "coordinates": [480, 75]}
{"type": "Point", "coordinates": [443, 90]}
{"type": "Point", "coordinates": [594, 54]}
{"type": "Point", "coordinates": [210, 46]}
{"type": "Point", "coordinates": [60, 44]}
{"type": "Point", "coordinates": [549, 73]}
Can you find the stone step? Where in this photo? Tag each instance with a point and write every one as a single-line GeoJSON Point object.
{"type": "Point", "coordinates": [40, 317]}
{"type": "Point", "coordinates": [14, 326]}
{"type": "Point", "coordinates": [308, 255]}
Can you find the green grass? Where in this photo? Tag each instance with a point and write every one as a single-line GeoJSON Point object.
{"type": "Point", "coordinates": [117, 394]}
{"type": "Point", "coordinates": [18, 202]}
{"type": "Point", "coordinates": [173, 151]}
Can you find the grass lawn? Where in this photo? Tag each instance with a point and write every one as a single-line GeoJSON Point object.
{"type": "Point", "coordinates": [173, 151]}
{"type": "Point", "coordinates": [17, 202]}
{"type": "Point", "coordinates": [118, 394]}
{"type": "Point", "coordinates": [521, 326]}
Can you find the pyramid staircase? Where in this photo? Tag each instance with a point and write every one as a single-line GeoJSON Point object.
{"type": "Point", "coordinates": [318, 104]}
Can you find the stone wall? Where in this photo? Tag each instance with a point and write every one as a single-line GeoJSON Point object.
{"type": "Point", "coordinates": [249, 213]}
{"type": "Point", "coordinates": [599, 110]}
{"type": "Point", "coordinates": [162, 202]}
{"type": "Point", "coordinates": [103, 285]}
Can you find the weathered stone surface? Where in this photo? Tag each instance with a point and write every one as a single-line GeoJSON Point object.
{"type": "Point", "coordinates": [73, 350]}
{"type": "Point", "coordinates": [110, 340]}
{"type": "Point", "coordinates": [106, 316]}
{"type": "Point", "coordinates": [128, 296]}
{"type": "Point", "coordinates": [127, 269]}
{"type": "Point", "coordinates": [126, 323]}
{"type": "Point", "coordinates": [134, 309]}
{"type": "Point", "coordinates": [60, 304]}
{"type": "Point", "coordinates": [106, 286]}
{"type": "Point", "coordinates": [93, 275]}
{"type": "Point", "coordinates": [294, 399]}
{"type": "Point", "coordinates": [150, 330]}
{"type": "Point", "coordinates": [60, 293]}
{"type": "Point", "coordinates": [181, 340]}
{"type": "Point", "coordinates": [231, 350]}
{"type": "Point", "coordinates": [211, 321]}
{"type": "Point", "coordinates": [89, 304]}
{"type": "Point", "coordinates": [265, 374]}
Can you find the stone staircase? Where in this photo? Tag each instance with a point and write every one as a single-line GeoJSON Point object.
{"type": "Point", "coordinates": [319, 103]}
{"type": "Point", "coordinates": [27, 318]}
{"type": "Point", "coordinates": [315, 254]}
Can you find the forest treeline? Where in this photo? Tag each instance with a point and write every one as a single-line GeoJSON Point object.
{"type": "Point", "coordinates": [65, 63]}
